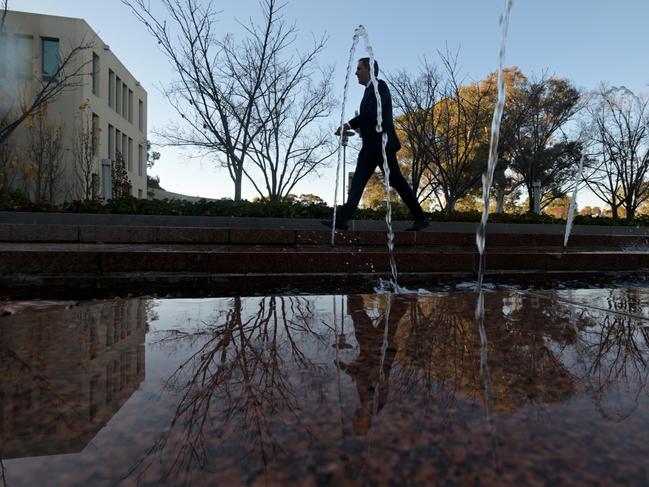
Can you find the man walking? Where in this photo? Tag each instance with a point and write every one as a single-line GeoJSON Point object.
{"type": "Point", "coordinates": [371, 154]}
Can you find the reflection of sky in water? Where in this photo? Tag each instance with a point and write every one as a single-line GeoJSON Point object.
{"type": "Point", "coordinates": [276, 402]}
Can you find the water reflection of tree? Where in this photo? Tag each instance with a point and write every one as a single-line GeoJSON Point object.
{"type": "Point", "coordinates": [236, 384]}
{"type": "Point", "coordinates": [3, 477]}
{"type": "Point", "coordinates": [612, 350]}
{"type": "Point", "coordinates": [242, 399]}
{"type": "Point", "coordinates": [441, 352]}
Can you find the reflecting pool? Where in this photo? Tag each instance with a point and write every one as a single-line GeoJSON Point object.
{"type": "Point", "coordinates": [328, 390]}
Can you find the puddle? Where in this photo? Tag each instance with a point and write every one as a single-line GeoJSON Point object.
{"type": "Point", "coordinates": [329, 390]}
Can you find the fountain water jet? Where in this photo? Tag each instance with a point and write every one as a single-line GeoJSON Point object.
{"type": "Point", "coordinates": [573, 201]}
{"type": "Point", "coordinates": [361, 32]}
{"type": "Point", "coordinates": [487, 177]}
{"type": "Point", "coordinates": [350, 65]}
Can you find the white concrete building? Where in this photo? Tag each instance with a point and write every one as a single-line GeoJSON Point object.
{"type": "Point", "coordinates": [115, 102]}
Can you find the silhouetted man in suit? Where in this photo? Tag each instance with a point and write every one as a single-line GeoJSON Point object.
{"type": "Point", "coordinates": [373, 360]}
{"type": "Point", "coordinates": [371, 154]}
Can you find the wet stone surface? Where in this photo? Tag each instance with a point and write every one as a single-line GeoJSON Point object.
{"type": "Point", "coordinates": [548, 389]}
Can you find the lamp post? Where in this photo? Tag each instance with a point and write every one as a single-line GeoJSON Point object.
{"type": "Point", "coordinates": [537, 196]}
{"type": "Point", "coordinates": [346, 135]}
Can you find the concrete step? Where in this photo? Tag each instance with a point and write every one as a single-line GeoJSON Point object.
{"type": "Point", "coordinates": [55, 233]}
{"type": "Point", "coordinates": [76, 267]}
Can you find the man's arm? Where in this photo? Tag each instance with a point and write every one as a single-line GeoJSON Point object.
{"type": "Point", "coordinates": [368, 109]}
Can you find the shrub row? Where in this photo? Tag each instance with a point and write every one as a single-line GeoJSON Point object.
{"type": "Point", "coordinates": [288, 209]}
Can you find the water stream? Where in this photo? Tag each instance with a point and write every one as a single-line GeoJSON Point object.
{"type": "Point", "coordinates": [386, 168]}
{"type": "Point", "coordinates": [350, 66]}
{"type": "Point", "coordinates": [487, 177]}
{"type": "Point", "coordinates": [573, 201]}
{"type": "Point", "coordinates": [361, 32]}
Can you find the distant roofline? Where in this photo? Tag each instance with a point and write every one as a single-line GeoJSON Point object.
{"type": "Point", "coordinates": [73, 19]}
{"type": "Point", "coordinates": [45, 15]}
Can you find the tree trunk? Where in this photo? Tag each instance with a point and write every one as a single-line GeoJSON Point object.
{"type": "Point", "coordinates": [237, 185]}
{"type": "Point", "coordinates": [450, 205]}
{"type": "Point", "coordinates": [500, 200]}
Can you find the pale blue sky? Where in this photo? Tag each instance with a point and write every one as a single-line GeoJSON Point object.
{"type": "Point", "coordinates": [587, 41]}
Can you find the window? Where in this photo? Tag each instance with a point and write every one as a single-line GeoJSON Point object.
{"type": "Point", "coordinates": [50, 58]}
{"type": "Point", "coordinates": [125, 150]}
{"type": "Point", "coordinates": [111, 142]}
{"type": "Point", "coordinates": [139, 194]}
{"type": "Point", "coordinates": [130, 154]}
{"type": "Point", "coordinates": [118, 95]}
{"type": "Point", "coordinates": [25, 55]}
{"type": "Point", "coordinates": [111, 88]}
{"type": "Point", "coordinates": [140, 160]}
{"type": "Point", "coordinates": [124, 100]}
{"type": "Point", "coordinates": [118, 143]}
{"type": "Point", "coordinates": [95, 74]}
{"type": "Point", "coordinates": [95, 134]}
{"type": "Point", "coordinates": [141, 115]}
{"type": "Point", "coordinates": [130, 106]}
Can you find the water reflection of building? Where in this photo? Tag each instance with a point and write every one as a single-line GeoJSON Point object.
{"type": "Point", "coordinates": [64, 374]}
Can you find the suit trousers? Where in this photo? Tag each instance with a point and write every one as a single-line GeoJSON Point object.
{"type": "Point", "coordinates": [367, 162]}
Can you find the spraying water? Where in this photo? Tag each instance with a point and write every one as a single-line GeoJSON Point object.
{"type": "Point", "coordinates": [386, 168]}
{"type": "Point", "coordinates": [573, 201]}
{"type": "Point", "coordinates": [350, 66]}
{"type": "Point", "coordinates": [488, 176]}
{"type": "Point", "coordinates": [361, 32]}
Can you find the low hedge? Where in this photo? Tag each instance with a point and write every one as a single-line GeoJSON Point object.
{"type": "Point", "coordinates": [287, 209]}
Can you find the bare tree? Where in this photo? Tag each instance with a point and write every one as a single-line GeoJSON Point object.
{"type": "Point", "coordinates": [415, 98]}
{"type": "Point", "coordinates": [84, 149]}
{"type": "Point", "coordinates": [445, 124]}
{"type": "Point", "coordinates": [458, 140]}
{"type": "Point", "coordinates": [287, 148]}
{"type": "Point", "coordinates": [43, 170]}
{"type": "Point", "coordinates": [620, 138]}
{"type": "Point", "coordinates": [9, 169]}
{"type": "Point", "coordinates": [220, 82]}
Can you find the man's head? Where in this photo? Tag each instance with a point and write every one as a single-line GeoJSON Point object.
{"type": "Point", "coordinates": [363, 70]}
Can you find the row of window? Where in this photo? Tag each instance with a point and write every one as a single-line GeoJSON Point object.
{"type": "Point", "coordinates": [120, 96]}
{"type": "Point", "coordinates": [19, 57]}
{"type": "Point", "coordinates": [119, 142]}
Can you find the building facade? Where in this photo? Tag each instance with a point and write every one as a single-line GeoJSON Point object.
{"type": "Point", "coordinates": [107, 101]}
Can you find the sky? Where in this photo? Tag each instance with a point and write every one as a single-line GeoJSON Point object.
{"type": "Point", "coordinates": [586, 41]}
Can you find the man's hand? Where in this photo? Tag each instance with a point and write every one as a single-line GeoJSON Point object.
{"type": "Point", "coordinates": [341, 129]}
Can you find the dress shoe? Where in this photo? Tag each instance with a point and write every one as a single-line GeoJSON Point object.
{"type": "Point", "coordinates": [418, 225]}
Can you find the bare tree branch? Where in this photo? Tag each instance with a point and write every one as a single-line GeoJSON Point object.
{"type": "Point", "coordinates": [4, 6]}
{"type": "Point", "coordinates": [620, 137]}
{"type": "Point", "coordinates": [69, 74]}
{"type": "Point", "coordinates": [222, 88]}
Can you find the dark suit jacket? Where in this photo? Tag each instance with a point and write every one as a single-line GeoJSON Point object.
{"type": "Point", "coordinates": [366, 119]}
